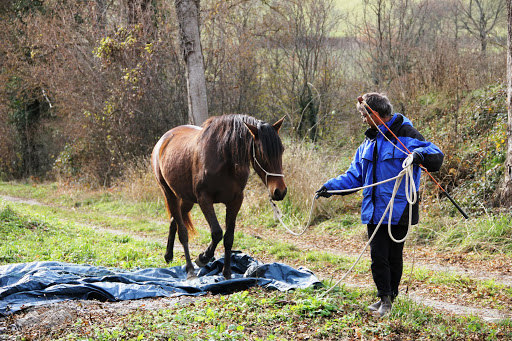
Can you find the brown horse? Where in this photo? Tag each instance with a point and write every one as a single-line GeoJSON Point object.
{"type": "Point", "coordinates": [210, 165]}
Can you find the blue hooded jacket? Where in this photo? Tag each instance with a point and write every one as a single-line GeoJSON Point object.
{"type": "Point", "coordinates": [376, 160]}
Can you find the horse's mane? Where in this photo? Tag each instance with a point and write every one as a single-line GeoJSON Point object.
{"type": "Point", "coordinates": [233, 141]}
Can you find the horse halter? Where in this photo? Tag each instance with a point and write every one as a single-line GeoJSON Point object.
{"type": "Point", "coordinates": [263, 169]}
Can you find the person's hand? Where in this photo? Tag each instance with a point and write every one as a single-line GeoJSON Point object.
{"type": "Point", "coordinates": [322, 192]}
{"type": "Point", "coordinates": [414, 158]}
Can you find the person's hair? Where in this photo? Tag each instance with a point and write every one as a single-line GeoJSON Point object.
{"type": "Point", "coordinates": [378, 102]}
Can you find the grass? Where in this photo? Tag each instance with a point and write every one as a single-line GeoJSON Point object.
{"type": "Point", "coordinates": [27, 239]}
{"type": "Point", "coordinates": [82, 216]}
{"type": "Point", "coordinates": [261, 315]}
{"type": "Point", "coordinates": [483, 234]}
{"type": "Point", "coordinates": [61, 230]}
{"type": "Point", "coordinates": [32, 232]}
{"type": "Point", "coordinates": [98, 213]}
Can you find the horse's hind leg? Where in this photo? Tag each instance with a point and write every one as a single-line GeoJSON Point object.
{"type": "Point", "coordinates": [231, 214]}
{"type": "Point", "coordinates": [185, 207]}
{"type": "Point", "coordinates": [216, 232]}
{"type": "Point", "coordinates": [176, 207]}
{"type": "Point", "coordinates": [173, 227]}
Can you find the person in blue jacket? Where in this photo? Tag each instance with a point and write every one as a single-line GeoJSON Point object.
{"type": "Point", "coordinates": [376, 159]}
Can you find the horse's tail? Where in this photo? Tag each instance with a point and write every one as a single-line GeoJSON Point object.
{"type": "Point", "coordinates": [169, 214]}
{"type": "Point", "coordinates": [188, 223]}
{"type": "Point", "coordinates": [187, 218]}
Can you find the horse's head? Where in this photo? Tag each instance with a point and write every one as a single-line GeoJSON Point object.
{"type": "Point", "coordinates": [267, 152]}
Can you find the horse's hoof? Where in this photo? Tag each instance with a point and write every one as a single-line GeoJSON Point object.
{"type": "Point", "coordinates": [168, 258]}
{"type": "Point", "coordinates": [201, 263]}
{"type": "Point", "coordinates": [191, 277]}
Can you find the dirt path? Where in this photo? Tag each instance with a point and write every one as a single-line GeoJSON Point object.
{"type": "Point", "coordinates": [497, 269]}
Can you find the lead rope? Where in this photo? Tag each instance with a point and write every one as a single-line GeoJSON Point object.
{"type": "Point", "coordinates": [411, 195]}
{"type": "Point", "coordinates": [411, 199]}
{"type": "Point", "coordinates": [278, 215]}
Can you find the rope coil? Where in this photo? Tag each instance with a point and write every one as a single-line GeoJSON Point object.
{"type": "Point", "coordinates": [411, 196]}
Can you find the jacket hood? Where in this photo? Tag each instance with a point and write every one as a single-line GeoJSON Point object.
{"type": "Point", "coordinates": [396, 122]}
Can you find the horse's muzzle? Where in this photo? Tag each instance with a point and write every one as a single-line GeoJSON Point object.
{"type": "Point", "coordinates": [278, 194]}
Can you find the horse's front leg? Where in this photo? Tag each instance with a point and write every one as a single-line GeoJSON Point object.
{"type": "Point", "coordinates": [231, 214]}
{"type": "Point", "coordinates": [215, 229]}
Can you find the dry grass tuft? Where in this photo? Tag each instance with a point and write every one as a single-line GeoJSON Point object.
{"type": "Point", "coordinates": [138, 183]}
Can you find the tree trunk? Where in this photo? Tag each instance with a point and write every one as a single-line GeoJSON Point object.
{"type": "Point", "coordinates": [188, 18]}
{"type": "Point", "coordinates": [506, 194]}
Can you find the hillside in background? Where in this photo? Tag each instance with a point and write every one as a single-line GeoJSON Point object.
{"type": "Point", "coordinates": [86, 107]}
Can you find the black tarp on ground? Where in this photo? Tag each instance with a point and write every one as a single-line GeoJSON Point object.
{"type": "Point", "coordinates": [27, 285]}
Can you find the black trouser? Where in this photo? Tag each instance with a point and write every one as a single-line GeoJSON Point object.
{"type": "Point", "coordinates": [387, 258]}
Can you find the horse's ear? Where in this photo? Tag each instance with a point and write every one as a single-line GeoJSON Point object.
{"type": "Point", "coordinates": [253, 130]}
{"type": "Point", "coordinates": [277, 125]}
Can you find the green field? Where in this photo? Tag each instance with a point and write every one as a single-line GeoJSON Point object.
{"type": "Point", "coordinates": [78, 231]}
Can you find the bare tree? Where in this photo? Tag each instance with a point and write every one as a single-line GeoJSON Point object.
{"type": "Point", "coordinates": [136, 10]}
{"type": "Point", "coordinates": [391, 30]}
{"type": "Point", "coordinates": [480, 18]}
{"type": "Point", "coordinates": [303, 46]}
{"type": "Point", "coordinates": [188, 18]}
{"type": "Point", "coordinates": [507, 187]}
{"type": "Point", "coordinates": [231, 34]}
{"type": "Point", "coordinates": [92, 99]}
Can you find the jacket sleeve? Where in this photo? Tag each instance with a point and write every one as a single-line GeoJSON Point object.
{"type": "Point", "coordinates": [432, 156]}
{"type": "Point", "coordinates": [352, 178]}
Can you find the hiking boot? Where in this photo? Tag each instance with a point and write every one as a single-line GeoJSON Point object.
{"type": "Point", "coordinates": [375, 306]}
{"type": "Point", "coordinates": [385, 305]}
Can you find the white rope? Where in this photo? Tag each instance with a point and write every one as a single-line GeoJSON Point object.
{"type": "Point", "coordinates": [411, 195]}
{"type": "Point", "coordinates": [277, 212]}
{"type": "Point", "coordinates": [278, 216]}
